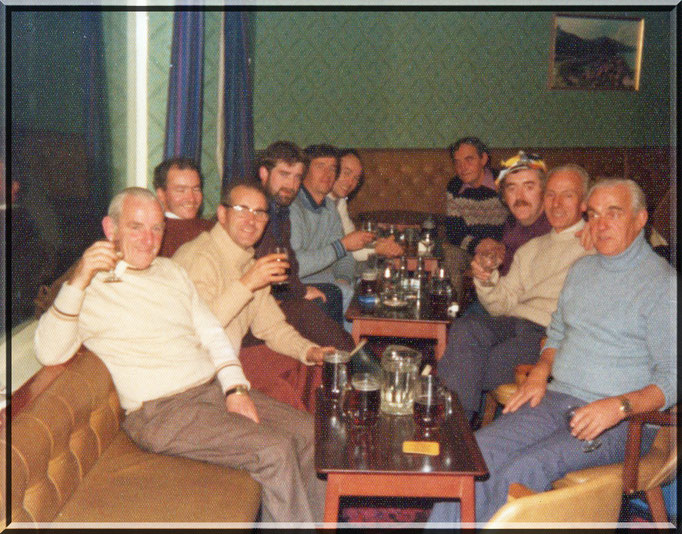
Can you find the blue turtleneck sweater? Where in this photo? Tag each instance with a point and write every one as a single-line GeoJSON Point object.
{"type": "Point", "coordinates": [615, 327]}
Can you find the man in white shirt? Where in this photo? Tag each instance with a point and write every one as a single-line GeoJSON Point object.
{"type": "Point", "coordinates": [349, 179]}
{"type": "Point", "coordinates": [176, 373]}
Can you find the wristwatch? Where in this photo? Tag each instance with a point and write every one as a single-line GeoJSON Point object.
{"type": "Point", "coordinates": [625, 406]}
{"type": "Point", "coordinates": [240, 389]}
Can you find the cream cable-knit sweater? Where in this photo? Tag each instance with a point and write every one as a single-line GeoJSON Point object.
{"type": "Point", "coordinates": [531, 288]}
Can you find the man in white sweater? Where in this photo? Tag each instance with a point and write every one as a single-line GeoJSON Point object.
{"type": "Point", "coordinates": [174, 368]}
{"type": "Point", "coordinates": [483, 351]}
{"type": "Point", "coordinates": [350, 176]}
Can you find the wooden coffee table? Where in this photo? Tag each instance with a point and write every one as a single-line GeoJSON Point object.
{"type": "Point", "coordinates": [371, 462]}
{"type": "Point", "coordinates": [409, 323]}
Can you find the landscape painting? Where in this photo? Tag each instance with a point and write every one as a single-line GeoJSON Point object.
{"type": "Point", "coordinates": [591, 52]}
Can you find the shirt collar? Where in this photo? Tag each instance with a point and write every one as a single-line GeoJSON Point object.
{"type": "Point", "coordinates": [570, 231]}
{"type": "Point", "coordinates": [229, 249]}
{"type": "Point", "coordinates": [311, 201]}
{"type": "Point", "coordinates": [488, 182]}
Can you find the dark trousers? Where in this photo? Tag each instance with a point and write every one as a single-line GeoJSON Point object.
{"type": "Point", "coordinates": [334, 305]}
{"type": "Point", "coordinates": [482, 353]}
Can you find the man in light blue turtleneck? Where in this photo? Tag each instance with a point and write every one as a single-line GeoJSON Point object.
{"type": "Point", "coordinates": [611, 349]}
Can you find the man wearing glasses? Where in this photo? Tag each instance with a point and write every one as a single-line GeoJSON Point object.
{"type": "Point", "coordinates": [236, 288]}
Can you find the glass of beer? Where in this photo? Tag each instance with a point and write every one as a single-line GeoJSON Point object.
{"type": "Point", "coordinates": [282, 250]}
{"type": "Point", "coordinates": [362, 400]}
{"type": "Point", "coordinates": [432, 403]}
{"type": "Point", "coordinates": [335, 373]}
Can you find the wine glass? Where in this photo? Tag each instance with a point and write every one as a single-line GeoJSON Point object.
{"type": "Point", "coordinates": [114, 274]}
{"type": "Point", "coordinates": [589, 445]}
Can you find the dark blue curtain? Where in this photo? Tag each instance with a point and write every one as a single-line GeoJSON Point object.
{"type": "Point", "coordinates": [237, 103]}
{"type": "Point", "coordinates": [185, 87]}
{"type": "Point", "coordinates": [95, 121]}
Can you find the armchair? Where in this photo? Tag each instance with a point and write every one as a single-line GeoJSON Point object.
{"type": "Point", "coordinates": [596, 501]}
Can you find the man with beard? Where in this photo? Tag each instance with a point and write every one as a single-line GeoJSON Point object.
{"type": "Point", "coordinates": [280, 169]}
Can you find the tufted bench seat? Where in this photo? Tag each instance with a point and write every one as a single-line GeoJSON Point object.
{"type": "Point", "coordinates": [70, 462]}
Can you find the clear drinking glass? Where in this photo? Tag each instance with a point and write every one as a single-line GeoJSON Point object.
{"type": "Point", "coordinates": [281, 250]}
{"type": "Point", "coordinates": [370, 226]}
{"type": "Point", "coordinates": [589, 445]}
{"type": "Point", "coordinates": [114, 275]}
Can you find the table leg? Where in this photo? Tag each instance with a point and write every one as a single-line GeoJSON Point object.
{"type": "Point", "coordinates": [331, 503]}
{"type": "Point", "coordinates": [467, 501]}
{"type": "Point", "coordinates": [441, 342]}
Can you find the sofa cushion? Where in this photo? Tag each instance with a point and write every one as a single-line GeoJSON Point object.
{"type": "Point", "coordinates": [128, 484]}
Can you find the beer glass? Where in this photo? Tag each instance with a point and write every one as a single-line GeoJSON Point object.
{"type": "Point", "coordinates": [282, 250]}
{"type": "Point", "coordinates": [362, 399]}
{"type": "Point", "coordinates": [335, 373]}
{"type": "Point", "coordinates": [432, 403]}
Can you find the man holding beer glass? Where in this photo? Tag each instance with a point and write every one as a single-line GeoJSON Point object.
{"type": "Point", "coordinates": [236, 288]}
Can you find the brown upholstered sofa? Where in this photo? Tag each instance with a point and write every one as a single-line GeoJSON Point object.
{"type": "Point", "coordinates": [70, 462]}
{"type": "Point", "coordinates": [402, 185]}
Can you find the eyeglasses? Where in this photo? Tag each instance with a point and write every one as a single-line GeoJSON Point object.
{"type": "Point", "coordinates": [242, 211]}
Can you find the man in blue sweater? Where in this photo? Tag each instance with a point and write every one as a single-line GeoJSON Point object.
{"type": "Point", "coordinates": [611, 350]}
{"type": "Point", "coordinates": [317, 235]}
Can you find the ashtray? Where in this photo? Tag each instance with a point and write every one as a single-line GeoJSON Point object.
{"type": "Point", "coordinates": [394, 303]}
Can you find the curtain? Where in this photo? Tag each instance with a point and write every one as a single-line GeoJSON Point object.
{"type": "Point", "coordinates": [237, 104]}
{"type": "Point", "coordinates": [185, 87]}
{"type": "Point", "coordinates": [95, 122]}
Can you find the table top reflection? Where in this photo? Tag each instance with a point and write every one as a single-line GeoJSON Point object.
{"type": "Point", "coordinates": [415, 310]}
{"type": "Point", "coordinates": [340, 447]}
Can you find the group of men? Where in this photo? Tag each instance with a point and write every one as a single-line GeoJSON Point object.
{"type": "Point", "coordinates": [215, 353]}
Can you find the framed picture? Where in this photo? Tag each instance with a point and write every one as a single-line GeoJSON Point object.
{"type": "Point", "coordinates": [596, 52]}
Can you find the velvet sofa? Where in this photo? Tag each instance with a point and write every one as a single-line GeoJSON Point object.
{"type": "Point", "coordinates": [71, 462]}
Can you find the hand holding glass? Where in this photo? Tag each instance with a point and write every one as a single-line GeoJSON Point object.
{"type": "Point", "coordinates": [287, 271]}
{"type": "Point", "coordinates": [589, 445]}
{"type": "Point", "coordinates": [114, 274]}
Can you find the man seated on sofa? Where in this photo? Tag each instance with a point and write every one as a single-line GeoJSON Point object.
{"type": "Point", "coordinates": [349, 179]}
{"type": "Point", "coordinates": [610, 349]}
{"type": "Point", "coordinates": [473, 207]}
{"type": "Point", "coordinates": [178, 184]}
{"type": "Point", "coordinates": [317, 235]}
{"type": "Point", "coordinates": [236, 288]}
{"type": "Point", "coordinates": [176, 373]}
{"type": "Point", "coordinates": [314, 313]}
{"type": "Point", "coordinates": [483, 350]}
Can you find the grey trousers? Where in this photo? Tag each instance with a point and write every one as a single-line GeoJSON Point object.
{"type": "Point", "coordinates": [278, 452]}
{"type": "Point", "coordinates": [534, 447]}
{"type": "Point", "coordinates": [482, 353]}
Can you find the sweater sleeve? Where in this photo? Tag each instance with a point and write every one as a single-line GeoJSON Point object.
{"type": "Point", "coordinates": [661, 332]}
{"type": "Point", "coordinates": [58, 336]}
{"type": "Point", "coordinates": [269, 324]}
{"type": "Point", "coordinates": [502, 294]}
{"type": "Point", "coordinates": [214, 339]}
{"type": "Point", "coordinates": [311, 261]}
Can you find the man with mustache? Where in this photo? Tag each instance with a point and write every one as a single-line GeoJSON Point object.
{"type": "Point", "coordinates": [483, 350]}
{"type": "Point", "coordinates": [178, 184]}
{"type": "Point", "coordinates": [520, 185]}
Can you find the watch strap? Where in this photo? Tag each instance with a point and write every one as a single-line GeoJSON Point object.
{"type": "Point", "coordinates": [240, 389]}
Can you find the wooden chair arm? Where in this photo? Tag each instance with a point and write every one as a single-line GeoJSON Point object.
{"type": "Point", "coordinates": [633, 443]}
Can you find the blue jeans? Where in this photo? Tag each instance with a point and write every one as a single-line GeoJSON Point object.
{"type": "Point", "coordinates": [533, 446]}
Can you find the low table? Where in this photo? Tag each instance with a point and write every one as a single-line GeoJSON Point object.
{"type": "Point", "coordinates": [370, 462]}
{"type": "Point", "coordinates": [410, 323]}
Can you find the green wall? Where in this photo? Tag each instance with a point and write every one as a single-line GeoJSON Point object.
{"type": "Point", "coordinates": [366, 79]}
{"type": "Point", "coordinates": [422, 79]}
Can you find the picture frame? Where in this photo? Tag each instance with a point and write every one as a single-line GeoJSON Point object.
{"type": "Point", "coordinates": [591, 52]}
